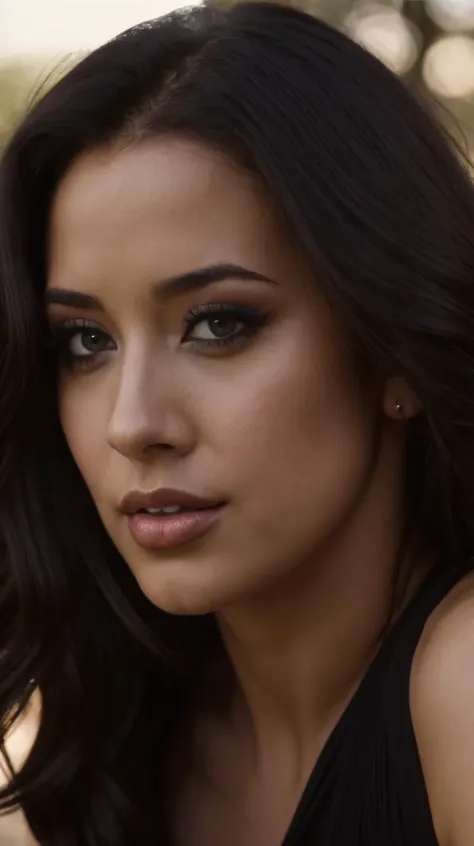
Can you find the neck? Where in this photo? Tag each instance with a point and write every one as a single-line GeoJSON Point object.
{"type": "Point", "coordinates": [300, 648]}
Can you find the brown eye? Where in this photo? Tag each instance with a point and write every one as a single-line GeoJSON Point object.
{"type": "Point", "coordinates": [87, 342]}
{"type": "Point", "coordinates": [213, 326]}
{"type": "Point", "coordinates": [216, 327]}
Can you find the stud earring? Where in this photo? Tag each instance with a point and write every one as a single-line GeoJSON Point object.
{"type": "Point", "coordinates": [399, 408]}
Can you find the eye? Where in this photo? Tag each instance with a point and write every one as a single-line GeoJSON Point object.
{"type": "Point", "coordinates": [88, 342]}
{"type": "Point", "coordinates": [80, 343]}
{"type": "Point", "coordinates": [213, 328]}
{"type": "Point", "coordinates": [218, 324]}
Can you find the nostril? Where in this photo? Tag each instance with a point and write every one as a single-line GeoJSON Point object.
{"type": "Point", "coordinates": [159, 446]}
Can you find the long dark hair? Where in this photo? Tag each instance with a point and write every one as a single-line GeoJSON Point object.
{"type": "Point", "coordinates": [385, 211]}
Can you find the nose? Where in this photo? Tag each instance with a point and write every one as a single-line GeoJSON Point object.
{"type": "Point", "coordinates": [148, 412]}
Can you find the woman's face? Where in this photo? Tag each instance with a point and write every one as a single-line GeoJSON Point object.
{"type": "Point", "coordinates": [197, 354]}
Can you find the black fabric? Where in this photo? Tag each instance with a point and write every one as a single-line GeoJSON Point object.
{"type": "Point", "coordinates": [367, 788]}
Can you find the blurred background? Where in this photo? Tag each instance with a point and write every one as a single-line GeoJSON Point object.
{"type": "Point", "coordinates": [428, 42]}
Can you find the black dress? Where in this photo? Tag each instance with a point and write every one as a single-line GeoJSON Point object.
{"type": "Point", "coordinates": [367, 788]}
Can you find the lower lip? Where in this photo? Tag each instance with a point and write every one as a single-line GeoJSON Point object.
{"type": "Point", "coordinates": [155, 532]}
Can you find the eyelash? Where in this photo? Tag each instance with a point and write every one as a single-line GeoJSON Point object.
{"type": "Point", "coordinates": [252, 319]}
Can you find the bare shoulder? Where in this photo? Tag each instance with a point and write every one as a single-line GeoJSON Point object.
{"type": "Point", "coordinates": [14, 830]}
{"type": "Point", "coordinates": [442, 708]}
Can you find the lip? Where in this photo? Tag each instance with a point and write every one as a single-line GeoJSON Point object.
{"type": "Point", "coordinates": [154, 532]}
{"type": "Point", "coordinates": [164, 498]}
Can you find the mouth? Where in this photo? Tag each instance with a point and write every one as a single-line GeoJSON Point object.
{"type": "Point", "coordinates": [167, 519]}
{"type": "Point", "coordinates": [171, 510]}
{"type": "Point", "coordinates": [165, 500]}
{"type": "Point", "coordinates": [160, 529]}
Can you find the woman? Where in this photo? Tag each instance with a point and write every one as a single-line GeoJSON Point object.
{"type": "Point", "coordinates": [237, 386]}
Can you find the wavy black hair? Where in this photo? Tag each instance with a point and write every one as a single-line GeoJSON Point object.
{"type": "Point", "coordinates": [383, 206]}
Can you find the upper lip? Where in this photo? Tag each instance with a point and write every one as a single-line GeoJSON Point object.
{"type": "Point", "coordinates": [164, 498]}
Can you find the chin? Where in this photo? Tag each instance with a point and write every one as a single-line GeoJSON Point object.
{"type": "Point", "coordinates": [181, 607]}
{"type": "Point", "coordinates": [190, 597]}
{"type": "Point", "coordinates": [182, 601]}
{"type": "Point", "coordinates": [200, 584]}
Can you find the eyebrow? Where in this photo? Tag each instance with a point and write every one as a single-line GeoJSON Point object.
{"type": "Point", "coordinates": [167, 289]}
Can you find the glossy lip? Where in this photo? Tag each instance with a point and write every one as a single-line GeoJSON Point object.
{"type": "Point", "coordinates": [155, 532]}
{"type": "Point", "coordinates": [134, 501]}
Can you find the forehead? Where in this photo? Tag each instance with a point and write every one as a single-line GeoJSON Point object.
{"type": "Point", "coordinates": [166, 169]}
{"type": "Point", "coordinates": [166, 198]}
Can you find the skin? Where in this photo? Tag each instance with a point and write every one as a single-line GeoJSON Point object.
{"type": "Point", "coordinates": [308, 458]}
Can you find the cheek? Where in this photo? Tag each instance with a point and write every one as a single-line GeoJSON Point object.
{"type": "Point", "coordinates": [299, 436]}
{"type": "Point", "coordinates": [83, 426]}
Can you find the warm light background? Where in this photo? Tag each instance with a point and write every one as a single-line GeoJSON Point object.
{"type": "Point", "coordinates": [48, 27]}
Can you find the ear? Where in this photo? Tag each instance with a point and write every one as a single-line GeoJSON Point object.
{"type": "Point", "coordinates": [399, 400]}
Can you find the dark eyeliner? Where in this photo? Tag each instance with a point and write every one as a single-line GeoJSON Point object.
{"type": "Point", "coordinates": [60, 335]}
{"type": "Point", "coordinates": [251, 317]}
{"type": "Point", "coordinates": [66, 329]}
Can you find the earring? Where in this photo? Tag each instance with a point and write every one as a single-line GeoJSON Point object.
{"type": "Point", "coordinates": [399, 408]}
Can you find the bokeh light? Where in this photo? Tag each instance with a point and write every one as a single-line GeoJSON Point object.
{"type": "Point", "coordinates": [452, 14]}
{"type": "Point", "coordinates": [448, 66]}
{"type": "Point", "coordinates": [386, 33]}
